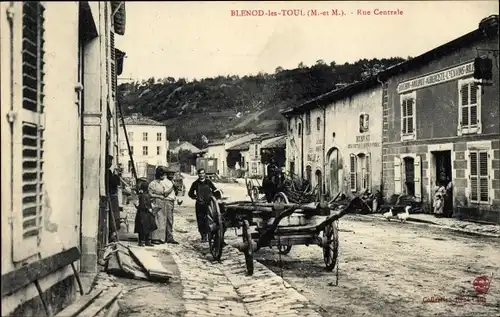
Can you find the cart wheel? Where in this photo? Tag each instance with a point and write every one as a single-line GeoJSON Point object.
{"type": "Point", "coordinates": [247, 238]}
{"type": "Point", "coordinates": [216, 237]}
{"type": "Point", "coordinates": [331, 248]}
{"type": "Point", "coordinates": [284, 249]}
{"type": "Point", "coordinates": [281, 197]}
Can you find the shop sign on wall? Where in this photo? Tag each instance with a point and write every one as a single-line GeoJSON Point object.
{"type": "Point", "coordinates": [363, 142]}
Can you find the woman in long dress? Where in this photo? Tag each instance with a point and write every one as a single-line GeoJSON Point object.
{"type": "Point", "coordinates": [158, 193]}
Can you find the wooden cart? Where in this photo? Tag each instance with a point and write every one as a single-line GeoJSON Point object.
{"type": "Point", "coordinates": [281, 224]}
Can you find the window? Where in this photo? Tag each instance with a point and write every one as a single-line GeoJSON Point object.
{"type": "Point", "coordinates": [308, 122]}
{"type": "Point", "coordinates": [131, 149]}
{"type": "Point", "coordinates": [478, 178]}
{"type": "Point", "coordinates": [289, 122]}
{"type": "Point", "coordinates": [408, 116]}
{"type": "Point", "coordinates": [129, 166]}
{"type": "Point", "coordinates": [144, 150]}
{"type": "Point", "coordinates": [131, 136]}
{"type": "Point", "coordinates": [360, 172]}
{"type": "Point", "coordinates": [318, 124]}
{"type": "Point", "coordinates": [144, 136]}
{"type": "Point", "coordinates": [28, 135]}
{"type": "Point", "coordinates": [158, 150]}
{"type": "Point", "coordinates": [470, 107]}
{"type": "Point", "coordinates": [158, 136]}
{"type": "Point", "coordinates": [256, 150]}
{"type": "Point", "coordinates": [363, 122]}
{"type": "Point", "coordinates": [299, 130]}
{"type": "Point", "coordinates": [409, 175]}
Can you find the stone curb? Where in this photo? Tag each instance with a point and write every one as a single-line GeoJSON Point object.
{"type": "Point", "coordinates": [437, 225]}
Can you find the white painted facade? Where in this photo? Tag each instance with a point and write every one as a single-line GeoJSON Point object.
{"type": "Point", "coordinates": [149, 145]}
{"type": "Point", "coordinates": [218, 150]}
{"type": "Point", "coordinates": [47, 178]}
{"type": "Point", "coordinates": [351, 158]}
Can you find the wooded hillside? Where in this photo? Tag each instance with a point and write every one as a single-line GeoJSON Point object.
{"type": "Point", "coordinates": [216, 106]}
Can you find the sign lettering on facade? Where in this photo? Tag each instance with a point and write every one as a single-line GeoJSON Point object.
{"type": "Point", "coordinates": [437, 78]}
{"type": "Point", "coordinates": [363, 145]}
{"type": "Point", "coordinates": [362, 138]}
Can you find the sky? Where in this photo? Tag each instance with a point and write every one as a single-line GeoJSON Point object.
{"type": "Point", "coordinates": [203, 39]}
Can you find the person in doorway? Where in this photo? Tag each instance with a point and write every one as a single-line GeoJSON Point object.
{"type": "Point", "coordinates": [169, 205]}
{"type": "Point", "coordinates": [202, 190]}
{"type": "Point", "coordinates": [159, 194]}
{"type": "Point", "coordinates": [145, 222]}
{"type": "Point", "coordinates": [448, 204]}
{"type": "Point", "coordinates": [112, 184]}
{"type": "Point", "coordinates": [439, 198]}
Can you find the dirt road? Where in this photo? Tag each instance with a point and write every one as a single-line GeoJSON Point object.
{"type": "Point", "coordinates": [394, 269]}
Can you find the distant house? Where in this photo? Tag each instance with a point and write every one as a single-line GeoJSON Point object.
{"type": "Point", "coordinates": [249, 154]}
{"type": "Point", "coordinates": [183, 145]}
{"type": "Point", "coordinates": [217, 149]}
{"type": "Point", "coordinates": [148, 143]}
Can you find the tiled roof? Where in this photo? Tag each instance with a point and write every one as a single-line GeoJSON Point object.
{"type": "Point", "coordinates": [240, 147]}
{"type": "Point", "coordinates": [279, 143]}
{"type": "Point", "coordinates": [137, 119]}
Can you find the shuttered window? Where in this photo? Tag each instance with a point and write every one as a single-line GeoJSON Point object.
{"type": "Point", "coordinates": [144, 150]}
{"type": "Point", "coordinates": [27, 232]}
{"type": "Point", "coordinates": [113, 62]}
{"type": "Point", "coordinates": [470, 106]}
{"type": "Point", "coordinates": [478, 178]}
{"type": "Point", "coordinates": [158, 136]}
{"type": "Point", "coordinates": [408, 116]}
{"type": "Point", "coordinates": [367, 177]}
{"type": "Point", "coordinates": [363, 122]}
{"type": "Point", "coordinates": [352, 172]}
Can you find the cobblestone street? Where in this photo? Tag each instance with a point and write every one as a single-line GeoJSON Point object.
{"type": "Point", "coordinates": [386, 269]}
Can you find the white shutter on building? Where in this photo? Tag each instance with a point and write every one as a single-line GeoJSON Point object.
{"type": "Point", "coordinates": [418, 176]}
{"type": "Point", "coordinates": [397, 176]}
{"type": "Point", "coordinates": [352, 172]}
{"type": "Point", "coordinates": [368, 172]}
{"type": "Point", "coordinates": [478, 177]}
{"type": "Point", "coordinates": [28, 135]}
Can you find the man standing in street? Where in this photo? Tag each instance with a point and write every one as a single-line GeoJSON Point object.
{"type": "Point", "coordinates": [170, 203]}
{"type": "Point", "coordinates": [202, 190]}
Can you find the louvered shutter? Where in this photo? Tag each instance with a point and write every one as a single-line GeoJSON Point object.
{"type": "Point", "coordinates": [483, 177]}
{"type": "Point", "coordinates": [473, 119]}
{"type": "Point", "coordinates": [474, 176]}
{"type": "Point", "coordinates": [352, 172]}
{"type": "Point", "coordinates": [404, 114]}
{"type": "Point", "coordinates": [464, 98]}
{"type": "Point", "coordinates": [397, 175]}
{"type": "Point", "coordinates": [112, 62]}
{"type": "Point", "coordinates": [417, 178]}
{"type": "Point", "coordinates": [29, 148]}
{"type": "Point", "coordinates": [368, 178]}
{"type": "Point", "coordinates": [409, 113]}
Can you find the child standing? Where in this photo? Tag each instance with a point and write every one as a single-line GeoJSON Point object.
{"type": "Point", "coordinates": [145, 222]}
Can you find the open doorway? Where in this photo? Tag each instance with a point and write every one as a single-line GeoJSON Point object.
{"type": "Point", "coordinates": [319, 182]}
{"type": "Point", "coordinates": [336, 175]}
{"type": "Point", "coordinates": [442, 175]}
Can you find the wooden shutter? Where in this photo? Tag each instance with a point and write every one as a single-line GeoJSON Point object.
{"type": "Point", "coordinates": [112, 62]}
{"type": "Point", "coordinates": [352, 172]}
{"type": "Point", "coordinates": [417, 178]}
{"type": "Point", "coordinates": [478, 177]}
{"type": "Point", "coordinates": [464, 105]}
{"type": "Point", "coordinates": [366, 122]}
{"type": "Point", "coordinates": [473, 118]}
{"type": "Point", "coordinates": [397, 175]}
{"type": "Point", "coordinates": [410, 115]}
{"type": "Point", "coordinates": [404, 116]}
{"type": "Point", "coordinates": [28, 148]}
{"type": "Point", "coordinates": [368, 172]}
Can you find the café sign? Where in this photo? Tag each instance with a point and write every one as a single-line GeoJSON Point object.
{"type": "Point", "coordinates": [437, 78]}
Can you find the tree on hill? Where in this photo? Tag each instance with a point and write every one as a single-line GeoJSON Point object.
{"type": "Point", "coordinates": [220, 105]}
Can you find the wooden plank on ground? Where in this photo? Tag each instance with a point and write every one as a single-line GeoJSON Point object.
{"type": "Point", "coordinates": [150, 263]}
{"type": "Point", "coordinates": [79, 305]}
{"type": "Point", "coordinates": [104, 301]}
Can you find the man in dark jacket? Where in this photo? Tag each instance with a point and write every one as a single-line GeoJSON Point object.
{"type": "Point", "coordinates": [202, 190]}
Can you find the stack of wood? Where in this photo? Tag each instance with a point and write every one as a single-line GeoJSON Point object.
{"type": "Point", "coordinates": [134, 262]}
{"type": "Point", "coordinates": [98, 302]}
